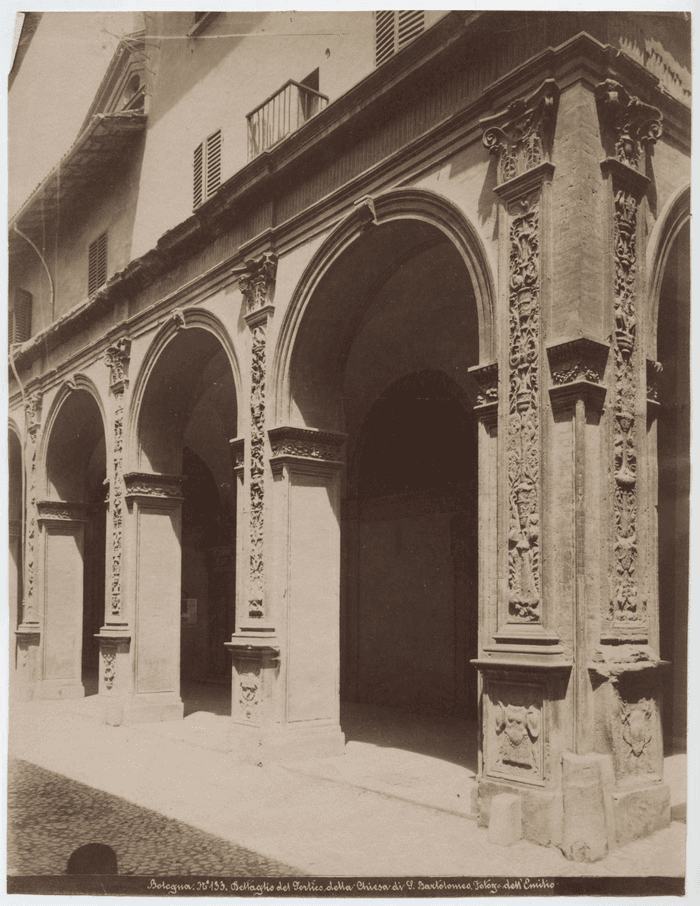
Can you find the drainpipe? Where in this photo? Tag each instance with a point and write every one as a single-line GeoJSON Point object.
{"type": "Point", "coordinates": [46, 267]}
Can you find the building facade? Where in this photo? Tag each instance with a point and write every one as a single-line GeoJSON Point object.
{"type": "Point", "coordinates": [350, 360]}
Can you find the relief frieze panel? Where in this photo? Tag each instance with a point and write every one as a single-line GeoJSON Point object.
{"type": "Point", "coordinates": [306, 443]}
{"type": "Point", "coordinates": [523, 435]}
{"type": "Point", "coordinates": [515, 732]}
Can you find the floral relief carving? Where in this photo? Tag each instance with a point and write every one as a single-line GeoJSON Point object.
{"type": "Point", "coordinates": [257, 287]}
{"type": "Point", "coordinates": [521, 135]}
{"type": "Point", "coordinates": [320, 445]}
{"type": "Point", "coordinates": [249, 691]}
{"type": "Point", "coordinates": [626, 604]}
{"type": "Point", "coordinates": [523, 441]}
{"type": "Point", "coordinates": [33, 423]}
{"type": "Point", "coordinates": [633, 124]}
{"type": "Point", "coordinates": [109, 661]}
{"type": "Point", "coordinates": [117, 360]}
{"type": "Point", "coordinates": [146, 484]}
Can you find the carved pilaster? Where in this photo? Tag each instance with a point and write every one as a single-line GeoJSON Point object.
{"type": "Point", "coordinates": [629, 123]}
{"type": "Point", "coordinates": [627, 605]}
{"type": "Point", "coordinates": [521, 136]}
{"type": "Point", "coordinates": [117, 360]}
{"type": "Point", "coordinates": [33, 426]}
{"type": "Point", "coordinates": [257, 287]}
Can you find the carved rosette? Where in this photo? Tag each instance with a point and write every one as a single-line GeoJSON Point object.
{"type": "Point", "coordinates": [33, 424]}
{"type": "Point", "coordinates": [523, 438]}
{"type": "Point", "coordinates": [631, 124]}
{"type": "Point", "coordinates": [257, 287]}
{"type": "Point", "coordinates": [117, 360]}
{"type": "Point", "coordinates": [520, 137]}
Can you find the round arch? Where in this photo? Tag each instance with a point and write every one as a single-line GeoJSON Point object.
{"type": "Point", "coordinates": [674, 216]}
{"type": "Point", "coordinates": [78, 382]}
{"type": "Point", "coordinates": [407, 204]}
{"type": "Point", "coordinates": [180, 319]}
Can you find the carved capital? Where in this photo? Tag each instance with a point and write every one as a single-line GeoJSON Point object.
{"type": "Point", "coordinates": [32, 411]}
{"type": "Point", "coordinates": [486, 377]}
{"type": "Point", "coordinates": [61, 511]}
{"type": "Point", "coordinates": [147, 484]}
{"type": "Point", "coordinates": [581, 359]}
{"type": "Point", "coordinates": [630, 123]}
{"type": "Point", "coordinates": [257, 283]}
{"type": "Point", "coordinates": [117, 360]}
{"type": "Point", "coordinates": [520, 137]}
{"type": "Point", "coordinates": [654, 370]}
{"type": "Point", "coordinates": [237, 445]}
{"type": "Point", "coordinates": [307, 443]}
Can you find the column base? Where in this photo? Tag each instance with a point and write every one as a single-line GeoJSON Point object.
{"type": "Point", "coordinates": [142, 709]}
{"type": "Point", "coordinates": [51, 690]}
{"type": "Point", "coordinates": [640, 812]}
{"type": "Point", "coordinates": [254, 745]}
{"type": "Point", "coordinates": [542, 810]}
{"type": "Point", "coordinates": [24, 678]}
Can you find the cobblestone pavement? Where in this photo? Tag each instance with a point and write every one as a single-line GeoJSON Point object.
{"type": "Point", "coordinates": [169, 806]}
{"type": "Point", "coordinates": [50, 816]}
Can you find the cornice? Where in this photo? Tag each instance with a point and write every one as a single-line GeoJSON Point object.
{"type": "Point", "coordinates": [257, 180]}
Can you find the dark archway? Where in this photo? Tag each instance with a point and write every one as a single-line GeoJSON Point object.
{"type": "Point", "coordinates": [414, 619]}
{"type": "Point", "coordinates": [76, 469]}
{"type": "Point", "coordinates": [187, 419]}
{"type": "Point", "coordinates": [673, 351]}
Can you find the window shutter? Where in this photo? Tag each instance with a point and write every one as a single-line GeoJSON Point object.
{"type": "Point", "coordinates": [213, 163]}
{"type": "Point", "coordinates": [394, 29]}
{"type": "Point", "coordinates": [198, 175]}
{"type": "Point", "coordinates": [97, 263]}
{"type": "Point", "coordinates": [411, 24]}
{"type": "Point", "coordinates": [20, 317]}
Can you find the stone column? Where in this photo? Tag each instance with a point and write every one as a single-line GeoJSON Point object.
{"type": "Point", "coordinates": [625, 666]}
{"type": "Point", "coordinates": [115, 635]}
{"type": "Point", "coordinates": [254, 645]}
{"type": "Point", "coordinates": [62, 532]}
{"type": "Point", "coordinates": [523, 664]}
{"type": "Point", "coordinates": [152, 581]}
{"type": "Point", "coordinates": [29, 631]}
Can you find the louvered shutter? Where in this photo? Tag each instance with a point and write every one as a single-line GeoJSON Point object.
{"type": "Point", "coordinates": [213, 163]}
{"type": "Point", "coordinates": [20, 317]}
{"type": "Point", "coordinates": [198, 175]}
{"type": "Point", "coordinates": [97, 263]}
{"type": "Point", "coordinates": [394, 29]}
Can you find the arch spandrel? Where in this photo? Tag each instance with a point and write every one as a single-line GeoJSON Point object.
{"type": "Point", "coordinates": [404, 207]}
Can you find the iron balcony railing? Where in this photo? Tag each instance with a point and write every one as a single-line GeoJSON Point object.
{"type": "Point", "coordinates": [281, 114]}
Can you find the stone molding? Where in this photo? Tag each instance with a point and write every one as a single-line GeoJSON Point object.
{"type": "Point", "coordinates": [520, 137]}
{"type": "Point", "coordinates": [150, 485]}
{"type": "Point", "coordinates": [365, 210]}
{"type": "Point", "coordinates": [59, 511]}
{"type": "Point", "coordinates": [306, 443]}
{"type": "Point", "coordinates": [631, 124]}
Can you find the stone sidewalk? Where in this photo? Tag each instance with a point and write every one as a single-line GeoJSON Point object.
{"type": "Point", "coordinates": [170, 806]}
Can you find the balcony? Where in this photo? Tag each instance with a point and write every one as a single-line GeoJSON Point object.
{"type": "Point", "coordinates": [281, 114]}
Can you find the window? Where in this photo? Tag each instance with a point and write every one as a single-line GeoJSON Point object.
{"type": "Point", "coordinates": [97, 263]}
{"type": "Point", "coordinates": [394, 29]}
{"type": "Point", "coordinates": [19, 327]}
{"type": "Point", "coordinates": [207, 168]}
